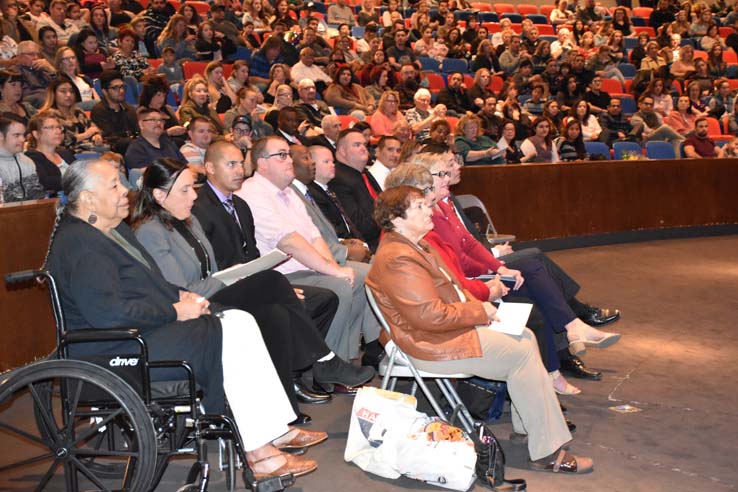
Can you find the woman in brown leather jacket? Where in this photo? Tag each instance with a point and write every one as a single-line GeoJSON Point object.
{"type": "Point", "coordinates": [443, 328]}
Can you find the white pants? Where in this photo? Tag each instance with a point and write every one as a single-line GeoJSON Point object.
{"type": "Point", "coordinates": [255, 394]}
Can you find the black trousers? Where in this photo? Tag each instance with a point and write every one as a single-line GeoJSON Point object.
{"type": "Point", "coordinates": [290, 334]}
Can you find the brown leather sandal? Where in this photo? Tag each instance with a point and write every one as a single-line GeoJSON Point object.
{"type": "Point", "coordinates": [296, 465]}
{"type": "Point", "coordinates": [563, 462]}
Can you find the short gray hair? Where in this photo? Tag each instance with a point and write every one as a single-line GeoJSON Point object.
{"type": "Point", "coordinates": [409, 175]}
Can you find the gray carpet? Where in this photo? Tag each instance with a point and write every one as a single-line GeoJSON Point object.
{"type": "Point", "coordinates": [675, 362]}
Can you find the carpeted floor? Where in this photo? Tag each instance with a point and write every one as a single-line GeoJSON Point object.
{"type": "Point", "coordinates": [675, 363]}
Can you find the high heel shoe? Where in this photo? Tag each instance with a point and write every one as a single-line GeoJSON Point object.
{"type": "Point", "coordinates": [582, 337]}
{"type": "Point", "coordinates": [562, 386]}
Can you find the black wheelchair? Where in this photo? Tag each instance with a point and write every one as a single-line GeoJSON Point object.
{"type": "Point", "coordinates": [101, 423]}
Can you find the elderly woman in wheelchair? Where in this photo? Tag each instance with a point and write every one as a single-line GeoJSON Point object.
{"type": "Point", "coordinates": [107, 280]}
{"type": "Point", "coordinates": [444, 329]}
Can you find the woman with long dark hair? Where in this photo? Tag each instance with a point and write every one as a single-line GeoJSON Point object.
{"type": "Point", "coordinates": [590, 126]}
{"type": "Point", "coordinates": [101, 27]}
{"type": "Point", "coordinates": [80, 133]}
{"type": "Point", "coordinates": [539, 147]}
{"type": "Point", "coordinates": [349, 97]}
{"type": "Point", "coordinates": [92, 60]}
{"type": "Point", "coordinates": [570, 144]}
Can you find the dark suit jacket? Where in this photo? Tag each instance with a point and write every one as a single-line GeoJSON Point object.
{"type": "Point", "coordinates": [222, 231]}
{"type": "Point", "coordinates": [349, 187]}
{"type": "Point", "coordinates": [321, 140]}
{"type": "Point", "coordinates": [329, 210]}
{"type": "Point", "coordinates": [309, 113]}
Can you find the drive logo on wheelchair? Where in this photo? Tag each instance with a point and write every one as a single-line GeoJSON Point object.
{"type": "Point", "coordinates": [119, 361]}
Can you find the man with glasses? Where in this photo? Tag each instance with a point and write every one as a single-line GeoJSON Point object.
{"type": "Point", "coordinates": [37, 73]}
{"type": "Point", "coordinates": [616, 126]}
{"type": "Point", "coordinates": [282, 222]}
{"type": "Point", "coordinates": [309, 108]}
{"type": "Point", "coordinates": [454, 97]}
{"type": "Point", "coordinates": [153, 142]}
{"type": "Point", "coordinates": [248, 110]}
{"type": "Point", "coordinates": [652, 126]}
{"type": "Point", "coordinates": [116, 118]}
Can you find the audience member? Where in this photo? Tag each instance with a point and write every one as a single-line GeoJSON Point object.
{"type": "Point", "coordinates": [116, 118]}
{"type": "Point", "coordinates": [152, 143]}
{"type": "Point", "coordinates": [281, 221]}
{"type": "Point", "coordinates": [388, 157]}
{"type": "Point", "coordinates": [11, 96]}
{"type": "Point", "coordinates": [539, 146]}
{"type": "Point", "coordinates": [474, 146]}
{"type": "Point", "coordinates": [652, 126]}
{"type": "Point", "coordinates": [20, 180]}
{"type": "Point", "coordinates": [699, 144]}
{"type": "Point", "coordinates": [45, 137]}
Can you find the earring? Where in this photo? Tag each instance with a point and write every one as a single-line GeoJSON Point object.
{"type": "Point", "coordinates": [92, 219]}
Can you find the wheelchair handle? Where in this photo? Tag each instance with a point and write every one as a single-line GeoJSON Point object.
{"type": "Point", "coordinates": [23, 276]}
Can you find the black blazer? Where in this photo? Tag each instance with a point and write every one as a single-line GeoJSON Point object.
{"type": "Point", "coordinates": [349, 187]}
{"type": "Point", "coordinates": [48, 173]}
{"type": "Point", "coordinates": [222, 231]}
{"type": "Point", "coordinates": [330, 211]}
{"type": "Point", "coordinates": [322, 141]}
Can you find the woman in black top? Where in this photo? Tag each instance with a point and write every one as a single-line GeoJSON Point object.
{"type": "Point", "coordinates": [44, 148]}
{"type": "Point", "coordinates": [570, 144]}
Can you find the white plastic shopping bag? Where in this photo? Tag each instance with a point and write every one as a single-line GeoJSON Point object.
{"type": "Point", "coordinates": [390, 438]}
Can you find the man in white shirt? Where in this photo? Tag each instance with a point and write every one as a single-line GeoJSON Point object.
{"type": "Point", "coordinates": [340, 13]}
{"type": "Point", "coordinates": [200, 130]}
{"type": "Point", "coordinates": [307, 69]}
{"type": "Point", "coordinates": [282, 222]}
{"type": "Point", "coordinates": [388, 157]}
{"type": "Point", "coordinates": [58, 22]}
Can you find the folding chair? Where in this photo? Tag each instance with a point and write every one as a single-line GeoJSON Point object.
{"type": "Point", "coordinates": [398, 365]}
{"type": "Point", "coordinates": [494, 237]}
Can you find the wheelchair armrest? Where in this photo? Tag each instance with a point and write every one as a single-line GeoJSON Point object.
{"type": "Point", "coordinates": [100, 335]}
{"type": "Point", "coordinates": [187, 369]}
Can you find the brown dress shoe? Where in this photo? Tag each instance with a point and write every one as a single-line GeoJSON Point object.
{"type": "Point", "coordinates": [299, 438]}
{"type": "Point", "coordinates": [563, 462]}
{"type": "Point", "coordinates": [296, 465]}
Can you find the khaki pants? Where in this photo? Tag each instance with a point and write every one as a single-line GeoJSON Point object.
{"type": "Point", "coordinates": [515, 359]}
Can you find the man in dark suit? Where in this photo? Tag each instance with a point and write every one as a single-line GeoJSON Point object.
{"type": "Point", "coordinates": [354, 188]}
{"type": "Point", "coordinates": [229, 225]}
{"type": "Point", "coordinates": [331, 126]}
{"type": "Point", "coordinates": [308, 107]}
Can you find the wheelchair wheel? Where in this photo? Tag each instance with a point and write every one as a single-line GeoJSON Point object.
{"type": "Point", "coordinates": [91, 430]}
{"type": "Point", "coordinates": [228, 461]}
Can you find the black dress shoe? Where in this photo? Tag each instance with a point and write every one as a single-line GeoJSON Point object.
{"type": "Point", "coordinates": [370, 360]}
{"type": "Point", "coordinates": [305, 395]}
{"type": "Point", "coordinates": [574, 366]}
{"type": "Point", "coordinates": [337, 375]}
{"type": "Point", "coordinates": [600, 316]}
{"type": "Point", "coordinates": [302, 419]}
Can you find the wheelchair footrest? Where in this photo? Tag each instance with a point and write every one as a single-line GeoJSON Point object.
{"type": "Point", "coordinates": [274, 484]}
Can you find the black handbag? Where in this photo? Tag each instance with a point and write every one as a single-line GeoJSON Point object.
{"type": "Point", "coordinates": [490, 467]}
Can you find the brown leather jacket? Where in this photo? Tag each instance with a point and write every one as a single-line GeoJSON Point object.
{"type": "Point", "coordinates": [420, 303]}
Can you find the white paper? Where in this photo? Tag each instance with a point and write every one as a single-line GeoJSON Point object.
{"type": "Point", "coordinates": [268, 261]}
{"type": "Point", "coordinates": [513, 317]}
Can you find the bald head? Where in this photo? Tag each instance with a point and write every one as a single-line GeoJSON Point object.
{"type": "Point", "coordinates": [325, 168]}
{"type": "Point", "coordinates": [303, 164]}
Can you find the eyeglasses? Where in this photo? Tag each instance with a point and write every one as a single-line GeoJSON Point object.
{"type": "Point", "coordinates": [282, 155]}
{"type": "Point", "coordinates": [242, 130]}
{"type": "Point", "coordinates": [52, 127]}
{"type": "Point", "coordinates": [68, 58]}
{"type": "Point", "coordinates": [428, 189]}
{"type": "Point", "coordinates": [441, 174]}
{"type": "Point", "coordinates": [117, 88]}
{"type": "Point", "coordinates": [156, 120]}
